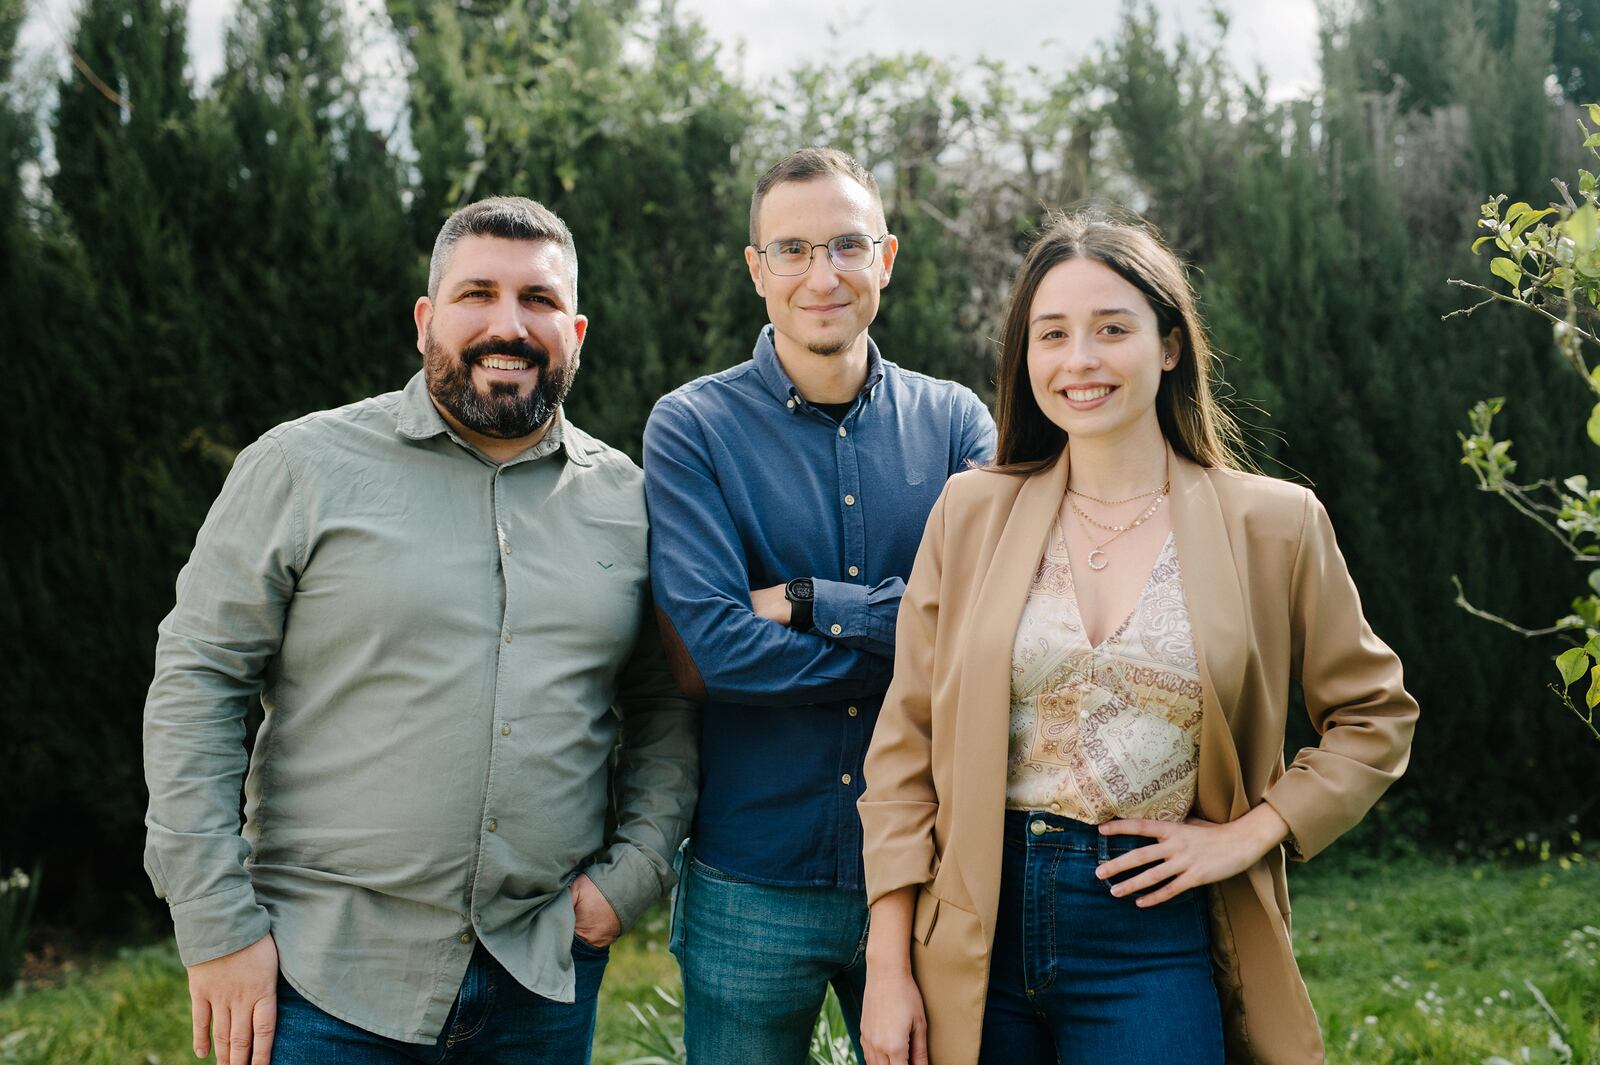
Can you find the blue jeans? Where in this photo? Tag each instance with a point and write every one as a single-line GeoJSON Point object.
{"type": "Point", "coordinates": [494, 1019]}
{"type": "Point", "coordinates": [757, 961]}
{"type": "Point", "coordinates": [1079, 977]}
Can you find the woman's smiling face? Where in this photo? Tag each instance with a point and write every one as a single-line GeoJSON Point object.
{"type": "Point", "coordinates": [1095, 352]}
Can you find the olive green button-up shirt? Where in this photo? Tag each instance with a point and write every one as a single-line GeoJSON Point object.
{"type": "Point", "coordinates": [446, 649]}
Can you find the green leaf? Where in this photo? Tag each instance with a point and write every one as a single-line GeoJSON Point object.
{"type": "Point", "coordinates": [1479, 243]}
{"type": "Point", "coordinates": [1594, 688]}
{"type": "Point", "coordinates": [1572, 663]}
{"type": "Point", "coordinates": [1506, 270]}
{"type": "Point", "coordinates": [1592, 140]}
{"type": "Point", "coordinates": [1582, 227]}
{"type": "Point", "coordinates": [1594, 113]}
{"type": "Point", "coordinates": [1578, 485]}
{"type": "Point", "coordinates": [1594, 580]}
{"type": "Point", "coordinates": [1515, 211]}
{"type": "Point", "coordinates": [1594, 424]}
{"type": "Point", "coordinates": [1528, 218]}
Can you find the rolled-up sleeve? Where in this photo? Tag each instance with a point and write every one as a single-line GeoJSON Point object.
{"type": "Point", "coordinates": [211, 653]}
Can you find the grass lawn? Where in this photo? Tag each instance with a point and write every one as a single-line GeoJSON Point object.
{"type": "Point", "coordinates": [1417, 960]}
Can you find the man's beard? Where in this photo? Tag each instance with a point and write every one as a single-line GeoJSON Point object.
{"type": "Point", "coordinates": [504, 413]}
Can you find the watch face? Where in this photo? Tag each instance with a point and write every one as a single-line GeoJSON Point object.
{"type": "Point", "coordinates": [800, 588]}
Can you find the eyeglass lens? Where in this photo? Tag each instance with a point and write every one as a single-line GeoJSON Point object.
{"type": "Point", "coordinates": [849, 251]}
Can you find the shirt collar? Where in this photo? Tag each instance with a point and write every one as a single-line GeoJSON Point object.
{"type": "Point", "coordinates": [417, 418]}
{"type": "Point", "coordinates": [777, 380]}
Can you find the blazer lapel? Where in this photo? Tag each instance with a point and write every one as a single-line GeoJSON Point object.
{"type": "Point", "coordinates": [1212, 592]}
{"type": "Point", "coordinates": [985, 691]}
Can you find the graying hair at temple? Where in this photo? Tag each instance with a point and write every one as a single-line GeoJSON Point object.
{"type": "Point", "coordinates": [506, 217]}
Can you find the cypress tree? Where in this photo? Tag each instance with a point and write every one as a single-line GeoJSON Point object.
{"type": "Point", "coordinates": [104, 495]}
{"type": "Point", "coordinates": [310, 258]}
{"type": "Point", "coordinates": [23, 577]}
{"type": "Point", "coordinates": [1577, 48]}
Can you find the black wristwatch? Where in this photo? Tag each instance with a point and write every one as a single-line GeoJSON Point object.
{"type": "Point", "coordinates": [800, 594]}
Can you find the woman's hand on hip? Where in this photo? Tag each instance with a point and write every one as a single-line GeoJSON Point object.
{"type": "Point", "coordinates": [1189, 854]}
{"type": "Point", "coordinates": [894, 1026]}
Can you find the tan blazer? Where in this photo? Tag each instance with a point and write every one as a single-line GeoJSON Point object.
{"type": "Point", "coordinates": [1269, 600]}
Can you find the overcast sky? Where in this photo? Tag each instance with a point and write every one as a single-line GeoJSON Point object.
{"type": "Point", "coordinates": [1280, 36]}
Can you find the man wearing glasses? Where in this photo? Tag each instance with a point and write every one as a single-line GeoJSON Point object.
{"type": "Point", "coordinates": [787, 497]}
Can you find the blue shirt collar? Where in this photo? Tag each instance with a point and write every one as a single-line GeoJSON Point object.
{"type": "Point", "coordinates": [777, 380]}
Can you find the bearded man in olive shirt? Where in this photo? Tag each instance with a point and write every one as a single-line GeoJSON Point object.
{"type": "Point", "coordinates": [439, 595]}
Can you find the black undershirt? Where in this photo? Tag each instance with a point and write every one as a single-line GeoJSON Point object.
{"type": "Point", "coordinates": [836, 411]}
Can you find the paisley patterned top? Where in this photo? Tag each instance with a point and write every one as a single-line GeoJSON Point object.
{"type": "Point", "coordinates": [1110, 731]}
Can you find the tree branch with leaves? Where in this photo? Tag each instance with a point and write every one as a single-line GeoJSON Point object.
{"type": "Point", "coordinates": [1549, 265]}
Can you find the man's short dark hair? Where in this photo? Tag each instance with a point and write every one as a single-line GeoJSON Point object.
{"type": "Point", "coordinates": [808, 164]}
{"type": "Point", "coordinates": [506, 217]}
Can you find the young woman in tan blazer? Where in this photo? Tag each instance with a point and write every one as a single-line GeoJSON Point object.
{"type": "Point", "coordinates": [1015, 901]}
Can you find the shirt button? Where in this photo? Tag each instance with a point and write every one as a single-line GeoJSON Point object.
{"type": "Point", "coordinates": [836, 629]}
{"type": "Point", "coordinates": [855, 571]}
{"type": "Point", "coordinates": [853, 711]}
{"type": "Point", "coordinates": [505, 548]}
{"type": "Point", "coordinates": [849, 501]}
{"type": "Point", "coordinates": [493, 824]}
{"type": "Point", "coordinates": [842, 432]}
{"type": "Point", "coordinates": [845, 779]}
{"type": "Point", "coordinates": [466, 937]}
{"type": "Point", "coordinates": [505, 730]}
{"type": "Point", "coordinates": [508, 637]}
{"type": "Point", "coordinates": [477, 918]}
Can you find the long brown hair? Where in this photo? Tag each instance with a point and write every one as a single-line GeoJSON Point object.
{"type": "Point", "coordinates": [1192, 420]}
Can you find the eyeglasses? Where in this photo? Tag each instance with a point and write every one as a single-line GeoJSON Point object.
{"type": "Point", "coordinates": [847, 252]}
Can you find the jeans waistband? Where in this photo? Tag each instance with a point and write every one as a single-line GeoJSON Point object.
{"type": "Point", "coordinates": [1038, 828]}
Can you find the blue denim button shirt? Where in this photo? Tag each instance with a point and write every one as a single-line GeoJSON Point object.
{"type": "Point", "coordinates": [749, 486]}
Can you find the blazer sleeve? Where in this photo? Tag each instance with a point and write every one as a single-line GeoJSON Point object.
{"type": "Point", "coordinates": [1354, 694]}
{"type": "Point", "coordinates": [900, 801]}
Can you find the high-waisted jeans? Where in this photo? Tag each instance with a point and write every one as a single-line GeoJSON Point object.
{"type": "Point", "coordinates": [1079, 977]}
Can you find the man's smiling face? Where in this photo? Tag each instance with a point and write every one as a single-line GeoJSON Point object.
{"type": "Point", "coordinates": [500, 338]}
{"type": "Point", "coordinates": [823, 310]}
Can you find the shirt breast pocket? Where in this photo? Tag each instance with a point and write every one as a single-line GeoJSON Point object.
{"type": "Point", "coordinates": [583, 585]}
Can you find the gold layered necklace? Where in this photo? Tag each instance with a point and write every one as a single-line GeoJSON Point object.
{"type": "Point", "coordinates": [1097, 558]}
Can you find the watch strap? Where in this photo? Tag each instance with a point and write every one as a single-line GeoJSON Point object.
{"type": "Point", "coordinates": [799, 592]}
